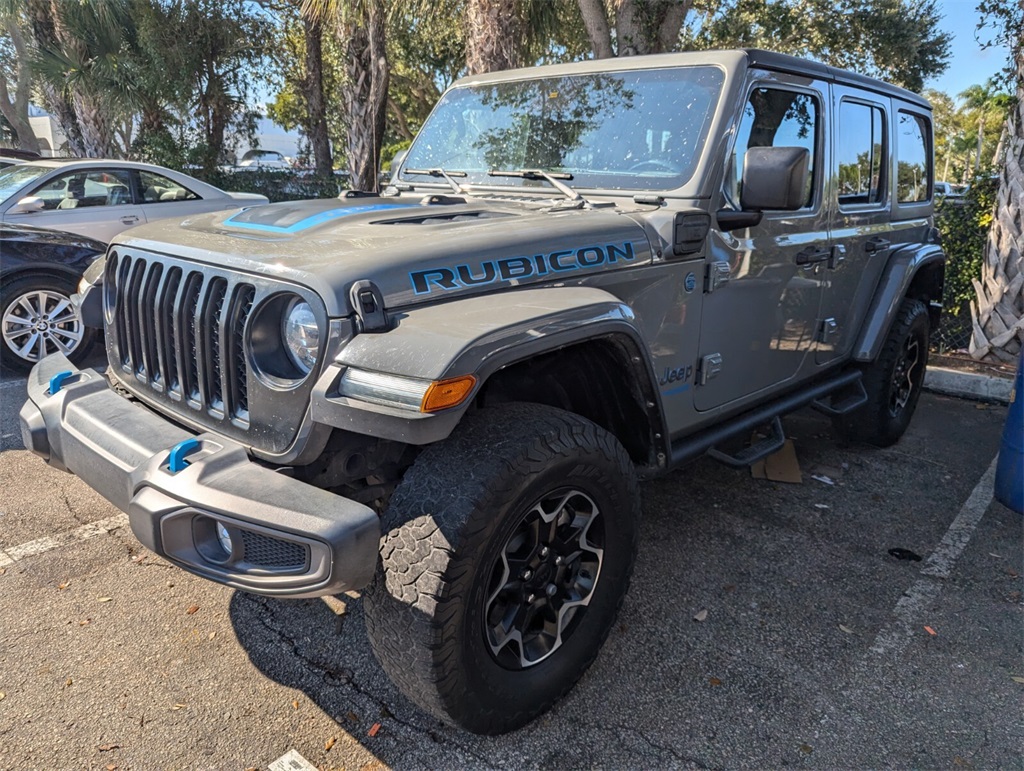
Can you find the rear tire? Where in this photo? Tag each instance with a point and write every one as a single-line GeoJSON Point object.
{"type": "Point", "coordinates": [484, 612]}
{"type": "Point", "coordinates": [893, 381]}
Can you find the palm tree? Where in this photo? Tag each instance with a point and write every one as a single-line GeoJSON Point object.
{"type": "Point", "coordinates": [313, 89]}
{"type": "Point", "coordinates": [495, 34]}
{"type": "Point", "coordinates": [361, 26]}
{"type": "Point", "coordinates": [641, 26]}
{"type": "Point", "coordinates": [14, 108]}
{"type": "Point", "coordinates": [998, 314]}
{"type": "Point", "coordinates": [82, 61]}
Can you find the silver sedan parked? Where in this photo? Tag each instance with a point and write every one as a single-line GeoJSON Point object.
{"type": "Point", "coordinates": [100, 198]}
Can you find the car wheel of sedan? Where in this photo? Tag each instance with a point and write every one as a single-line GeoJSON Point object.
{"type": "Point", "coordinates": [37, 318]}
{"type": "Point", "coordinates": [507, 551]}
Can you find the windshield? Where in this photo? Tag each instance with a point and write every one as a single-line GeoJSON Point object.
{"type": "Point", "coordinates": [638, 130]}
{"type": "Point", "coordinates": [13, 178]}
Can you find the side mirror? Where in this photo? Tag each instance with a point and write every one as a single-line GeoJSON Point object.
{"type": "Point", "coordinates": [396, 162]}
{"type": "Point", "coordinates": [775, 178]}
{"type": "Point", "coordinates": [28, 205]}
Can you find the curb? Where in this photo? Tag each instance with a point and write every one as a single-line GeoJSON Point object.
{"type": "Point", "coordinates": [968, 385]}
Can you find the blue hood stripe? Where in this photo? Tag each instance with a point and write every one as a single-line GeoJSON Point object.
{"type": "Point", "coordinates": [315, 219]}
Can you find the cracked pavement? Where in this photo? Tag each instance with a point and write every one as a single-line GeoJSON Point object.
{"type": "Point", "coordinates": [112, 657]}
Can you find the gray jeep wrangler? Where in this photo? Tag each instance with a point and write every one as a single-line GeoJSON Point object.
{"type": "Point", "coordinates": [445, 395]}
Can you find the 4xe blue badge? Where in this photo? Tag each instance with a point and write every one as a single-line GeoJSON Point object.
{"type": "Point", "coordinates": [690, 282]}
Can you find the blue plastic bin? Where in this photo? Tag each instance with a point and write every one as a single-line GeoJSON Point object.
{"type": "Point", "coordinates": [1010, 468]}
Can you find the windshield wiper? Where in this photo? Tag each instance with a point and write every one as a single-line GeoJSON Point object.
{"type": "Point", "coordinates": [551, 177]}
{"type": "Point", "coordinates": [439, 172]}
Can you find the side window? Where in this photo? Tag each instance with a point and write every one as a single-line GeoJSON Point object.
{"type": "Point", "coordinates": [860, 154]}
{"type": "Point", "coordinates": [776, 118]}
{"type": "Point", "coordinates": [81, 189]}
{"type": "Point", "coordinates": [913, 171]}
{"type": "Point", "coordinates": [156, 188]}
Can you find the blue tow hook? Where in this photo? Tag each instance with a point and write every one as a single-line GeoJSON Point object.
{"type": "Point", "coordinates": [176, 460]}
{"type": "Point", "coordinates": [58, 380]}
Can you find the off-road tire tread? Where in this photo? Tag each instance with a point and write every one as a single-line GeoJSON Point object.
{"type": "Point", "coordinates": [872, 423]}
{"type": "Point", "coordinates": [434, 528]}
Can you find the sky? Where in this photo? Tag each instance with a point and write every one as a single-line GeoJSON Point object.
{"type": "Point", "coordinates": [969, 63]}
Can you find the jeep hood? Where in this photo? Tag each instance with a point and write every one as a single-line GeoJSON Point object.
{"type": "Point", "coordinates": [413, 250]}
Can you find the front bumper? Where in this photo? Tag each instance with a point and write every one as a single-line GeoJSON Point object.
{"type": "Point", "coordinates": [288, 539]}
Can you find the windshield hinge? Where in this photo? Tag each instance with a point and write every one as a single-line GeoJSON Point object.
{"type": "Point", "coordinates": [368, 303]}
{"type": "Point", "coordinates": [716, 275]}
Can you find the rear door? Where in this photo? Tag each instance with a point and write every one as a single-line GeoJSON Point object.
{"type": "Point", "coordinates": [862, 229]}
{"type": "Point", "coordinates": [758, 328]}
{"type": "Point", "coordinates": [162, 197]}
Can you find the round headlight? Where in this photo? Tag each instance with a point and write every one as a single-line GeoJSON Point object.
{"type": "Point", "coordinates": [302, 336]}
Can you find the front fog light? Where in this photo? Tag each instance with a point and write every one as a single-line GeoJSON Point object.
{"type": "Point", "coordinates": [302, 336]}
{"type": "Point", "coordinates": [224, 538]}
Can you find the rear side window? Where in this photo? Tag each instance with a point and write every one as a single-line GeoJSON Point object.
{"type": "Point", "coordinates": [861, 154]}
{"type": "Point", "coordinates": [157, 188]}
{"type": "Point", "coordinates": [776, 118]}
{"type": "Point", "coordinates": [913, 171]}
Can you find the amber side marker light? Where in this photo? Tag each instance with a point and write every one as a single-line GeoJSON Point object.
{"type": "Point", "coordinates": [447, 393]}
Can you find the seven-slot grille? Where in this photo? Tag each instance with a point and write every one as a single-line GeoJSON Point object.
{"type": "Point", "coordinates": [180, 331]}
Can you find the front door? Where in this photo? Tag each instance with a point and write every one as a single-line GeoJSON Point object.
{"type": "Point", "coordinates": [759, 327]}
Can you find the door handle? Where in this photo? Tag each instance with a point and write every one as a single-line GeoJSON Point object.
{"type": "Point", "coordinates": [130, 219]}
{"type": "Point", "coordinates": [812, 254]}
{"type": "Point", "coordinates": [876, 244]}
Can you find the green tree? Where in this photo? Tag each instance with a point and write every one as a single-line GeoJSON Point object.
{"type": "Point", "coordinates": [311, 68]}
{"type": "Point", "coordinates": [83, 62]}
{"type": "Point", "coordinates": [896, 40]}
{"type": "Point", "coordinates": [984, 109]}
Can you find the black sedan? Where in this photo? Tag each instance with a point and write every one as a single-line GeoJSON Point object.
{"type": "Point", "coordinates": [39, 271]}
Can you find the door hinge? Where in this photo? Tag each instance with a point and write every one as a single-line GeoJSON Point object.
{"type": "Point", "coordinates": [837, 256]}
{"type": "Point", "coordinates": [710, 366]}
{"type": "Point", "coordinates": [828, 330]}
{"type": "Point", "coordinates": [716, 274]}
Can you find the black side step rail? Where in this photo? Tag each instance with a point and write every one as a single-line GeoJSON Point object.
{"type": "Point", "coordinates": [697, 444]}
{"type": "Point", "coordinates": [843, 401]}
{"type": "Point", "coordinates": [755, 452]}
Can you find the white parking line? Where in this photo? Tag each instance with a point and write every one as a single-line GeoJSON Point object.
{"type": "Point", "coordinates": [13, 554]}
{"type": "Point", "coordinates": [908, 613]}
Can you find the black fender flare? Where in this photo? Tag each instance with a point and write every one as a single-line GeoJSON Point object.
{"type": "Point", "coordinates": [477, 336]}
{"type": "Point", "coordinates": [904, 265]}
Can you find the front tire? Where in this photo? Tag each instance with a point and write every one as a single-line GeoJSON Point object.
{"type": "Point", "coordinates": [507, 551]}
{"type": "Point", "coordinates": [37, 318]}
{"type": "Point", "coordinates": [893, 381]}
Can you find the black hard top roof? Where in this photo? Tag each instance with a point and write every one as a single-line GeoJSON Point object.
{"type": "Point", "coordinates": [771, 60]}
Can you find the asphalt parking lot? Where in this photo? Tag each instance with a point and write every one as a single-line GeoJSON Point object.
{"type": "Point", "coordinates": [818, 648]}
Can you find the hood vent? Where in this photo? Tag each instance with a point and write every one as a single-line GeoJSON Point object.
{"type": "Point", "coordinates": [436, 218]}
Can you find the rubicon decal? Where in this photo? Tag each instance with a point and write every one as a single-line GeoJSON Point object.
{"type": "Point", "coordinates": [518, 268]}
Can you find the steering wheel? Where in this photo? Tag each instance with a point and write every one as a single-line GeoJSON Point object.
{"type": "Point", "coordinates": [654, 165]}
